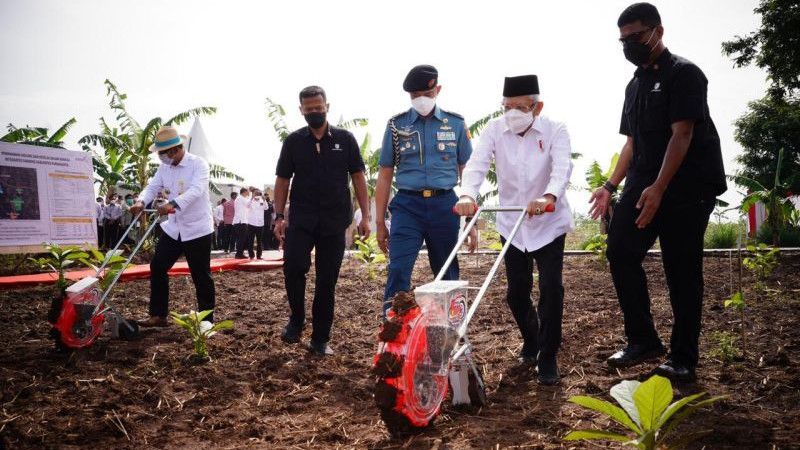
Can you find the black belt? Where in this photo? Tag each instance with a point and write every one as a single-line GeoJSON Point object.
{"type": "Point", "coordinates": [426, 192]}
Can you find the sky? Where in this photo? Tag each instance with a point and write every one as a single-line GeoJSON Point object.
{"type": "Point", "coordinates": [169, 56]}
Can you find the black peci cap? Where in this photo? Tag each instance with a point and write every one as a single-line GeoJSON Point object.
{"type": "Point", "coordinates": [421, 78]}
{"type": "Point", "coordinates": [521, 85]}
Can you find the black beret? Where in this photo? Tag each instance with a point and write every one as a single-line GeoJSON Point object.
{"type": "Point", "coordinates": [421, 78]}
{"type": "Point", "coordinates": [521, 85]}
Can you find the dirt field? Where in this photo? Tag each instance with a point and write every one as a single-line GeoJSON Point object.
{"type": "Point", "coordinates": [261, 393]}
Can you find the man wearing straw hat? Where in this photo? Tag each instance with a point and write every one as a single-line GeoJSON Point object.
{"type": "Point", "coordinates": [188, 231]}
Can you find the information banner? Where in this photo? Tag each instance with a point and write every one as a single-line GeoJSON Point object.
{"type": "Point", "coordinates": [46, 195]}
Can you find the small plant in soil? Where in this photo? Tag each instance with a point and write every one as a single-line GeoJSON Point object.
{"type": "Point", "coordinates": [58, 259]}
{"type": "Point", "coordinates": [725, 348]}
{"type": "Point", "coordinates": [761, 264]}
{"type": "Point", "coordinates": [199, 330]}
{"type": "Point", "coordinates": [647, 410]}
{"type": "Point", "coordinates": [369, 254]}
{"type": "Point", "coordinates": [737, 302]}
{"type": "Point", "coordinates": [598, 244]}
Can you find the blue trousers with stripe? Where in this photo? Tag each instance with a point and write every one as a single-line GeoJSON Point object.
{"type": "Point", "coordinates": [416, 220]}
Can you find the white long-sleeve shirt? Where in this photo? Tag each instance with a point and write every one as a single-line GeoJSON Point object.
{"type": "Point", "coordinates": [241, 209]}
{"type": "Point", "coordinates": [528, 167]}
{"type": "Point", "coordinates": [218, 214]}
{"type": "Point", "coordinates": [186, 184]}
{"type": "Point", "coordinates": [255, 215]}
{"type": "Point", "coordinates": [112, 211]}
{"type": "Point", "coordinates": [98, 212]}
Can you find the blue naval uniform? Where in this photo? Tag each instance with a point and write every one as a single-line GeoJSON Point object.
{"type": "Point", "coordinates": [431, 151]}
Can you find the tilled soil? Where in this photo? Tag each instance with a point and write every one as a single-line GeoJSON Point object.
{"type": "Point", "coordinates": [258, 392]}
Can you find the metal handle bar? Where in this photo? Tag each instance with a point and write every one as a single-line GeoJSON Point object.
{"type": "Point", "coordinates": [130, 258]}
{"type": "Point", "coordinates": [113, 251]}
{"type": "Point", "coordinates": [462, 330]}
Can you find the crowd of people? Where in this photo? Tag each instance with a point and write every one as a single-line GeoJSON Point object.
{"type": "Point", "coordinates": [671, 163]}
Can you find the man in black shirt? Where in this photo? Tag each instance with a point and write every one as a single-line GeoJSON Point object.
{"type": "Point", "coordinates": [672, 164]}
{"type": "Point", "coordinates": [317, 159]}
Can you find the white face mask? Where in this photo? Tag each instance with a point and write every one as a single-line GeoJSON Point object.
{"type": "Point", "coordinates": [423, 105]}
{"type": "Point", "coordinates": [517, 120]}
{"type": "Point", "coordinates": [165, 159]}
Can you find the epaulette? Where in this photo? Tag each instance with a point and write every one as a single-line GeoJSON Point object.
{"type": "Point", "coordinates": [453, 114]}
{"type": "Point", "coordinates": [398, 115]}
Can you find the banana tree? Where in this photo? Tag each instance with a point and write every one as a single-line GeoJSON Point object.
{"type": "Point", "coordinates": [217, 172]}
{"type": "Point", "coordinates": [776, 199]}
{"type": "Point", "coordinates": [140, 167]}
{"type": "Point", "coordinates": [110, 156]}
{"type": "Point", "coordinates": [38, 135]}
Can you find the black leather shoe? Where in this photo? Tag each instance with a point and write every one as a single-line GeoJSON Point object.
{"type": "Point", "coordinates": [548, 372]}
{"type": "Point", "coordinates": [320, 348]}
{"type": "Point", "coordinates": [635, 354]}
{"type": "Point", "coordinates": [290, 335]}
{"type": "Point", "coordinates": [676, 372]}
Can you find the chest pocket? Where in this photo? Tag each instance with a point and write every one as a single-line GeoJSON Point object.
{"type": "Point", "coordinates": [655, 112]}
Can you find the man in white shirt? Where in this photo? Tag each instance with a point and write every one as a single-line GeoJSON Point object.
{"type": "Point", "coordinates": [189, 229]}
{"type": "Point", "coordinates": [98, 216]}
{"type": "Point", "coordinates": [533, 159]}
{"type": "Point", "coordinates": [218, 224]}
{"type": "Point", "coordinates": [255, 224]}
{"type": "Point", "coordinates": [240, 220]}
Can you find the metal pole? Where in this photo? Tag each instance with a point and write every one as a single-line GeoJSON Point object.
{"type": "Point", "coordinates": [153, 224]}
{"type": "Point", "coordinates": [462, 330]}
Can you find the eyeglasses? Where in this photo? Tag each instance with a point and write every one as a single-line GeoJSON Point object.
{"type": "Point", "coordinates": [635, 37]}
{"type": "Point", "coordinates": [525, 109]}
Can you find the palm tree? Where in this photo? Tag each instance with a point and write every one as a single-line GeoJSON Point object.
{"type": "Point", "coordinates": [38, 135]}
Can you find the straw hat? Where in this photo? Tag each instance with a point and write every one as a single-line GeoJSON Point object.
{"type": "Point", "coordinates": [166, 138]}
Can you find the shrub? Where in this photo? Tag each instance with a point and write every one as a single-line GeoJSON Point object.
{"type": "Point", "coordinates": [723, 235]}
{"type": "Point", "coordinates": [788, 236]}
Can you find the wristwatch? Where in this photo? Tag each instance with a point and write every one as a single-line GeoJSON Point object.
{"type": "Point", "coordinates": [174, 204]}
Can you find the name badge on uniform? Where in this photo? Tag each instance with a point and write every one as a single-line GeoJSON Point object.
{"type": "Point", "coordinates": [446, 135]}
{"type": "Point", "coordinates": [336, 148]}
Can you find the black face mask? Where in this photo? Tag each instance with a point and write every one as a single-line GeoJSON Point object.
{"type": "Point", "coordinates": [636, 52]}
{"type": "Point", "coordinates": [315, 119]}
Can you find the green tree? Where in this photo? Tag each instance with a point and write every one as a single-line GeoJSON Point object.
{"type": "Point", "coordinates": [770, 124]}
{"type": "Point", "coordinates": [126, 160]}
{"type": "Point", "coordinates": [38, 135]}
{"type": "Point", "coordinates": [774, 47]}
{"type": "Point", "coordinates": [773, 122]}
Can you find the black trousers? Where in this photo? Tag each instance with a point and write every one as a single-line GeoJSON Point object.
{"type": "Point", "coordinates": [541, 330]}
{"type": "Point", "coordinates": [254, 234]}
{"type": "Point", "coordinates": [112, 232]}
{"type": "Point", "coordinates": [225, 231]}
{"type": "Point", "coordinates": [232, 237]}
{"type": "Point", "coordinates": [240, 233]}
{"type": "Point", "coordinates": [297, 261]}
{"type": "Point", "coordinates": [679, 224]}
{"type": "Point", "coordinates": [198, 256]}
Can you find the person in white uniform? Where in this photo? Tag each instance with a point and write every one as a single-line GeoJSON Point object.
{"type": "Point", "coordinates": [533, 159]}
{"type": "Point", "coordinates": [189, 229]}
